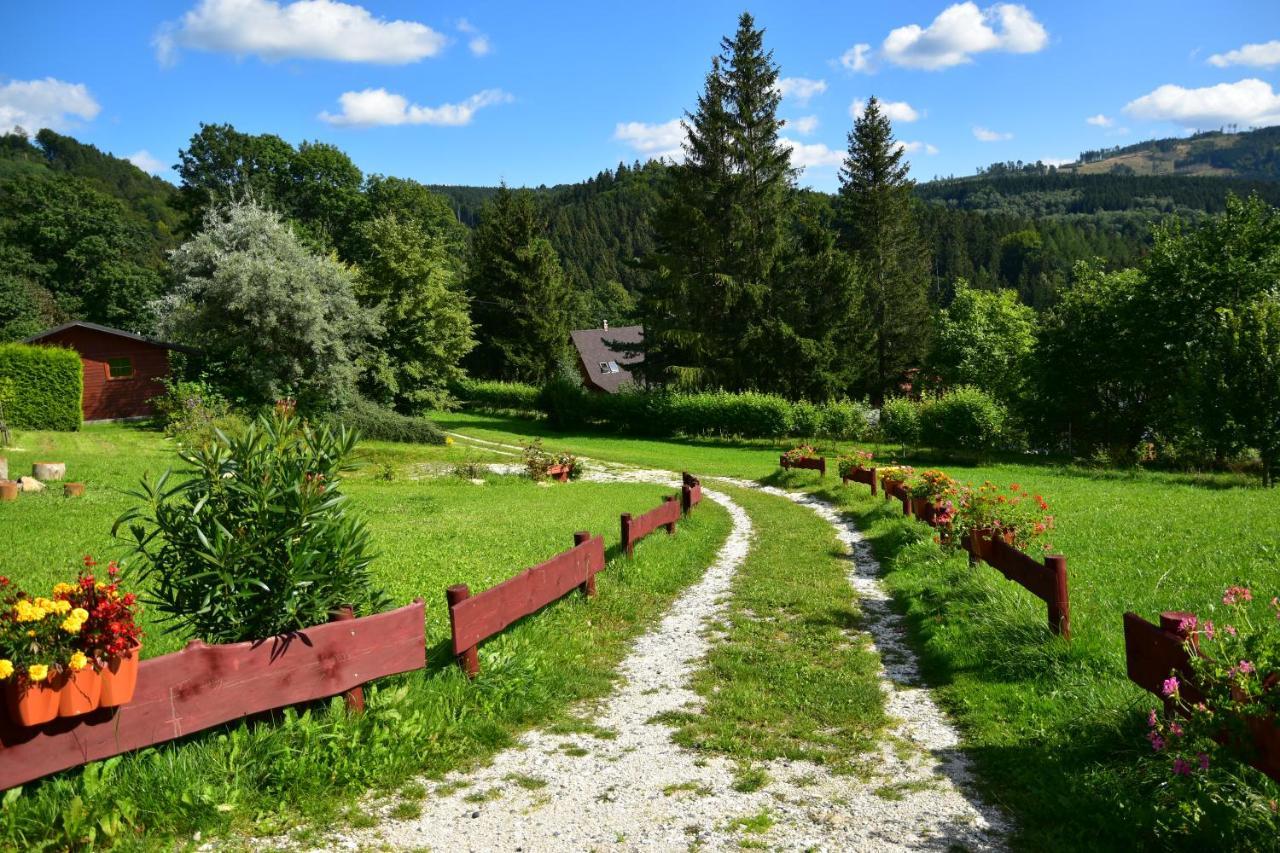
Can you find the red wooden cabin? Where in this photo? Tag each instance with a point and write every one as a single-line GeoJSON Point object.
{"type": "Point", "coordinates": [122, 371]}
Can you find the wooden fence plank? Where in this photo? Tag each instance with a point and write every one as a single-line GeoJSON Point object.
{"type": "Point", "coordinates": [866, 476]}
{"type": "Point", "coordinates": [819, 464]}
{"type": "Point", "coordinates": [476, 618]}
{"type": "Point", "coordinates": [204, 686]}
{"type": "Point", "coordinates": [636, 528]}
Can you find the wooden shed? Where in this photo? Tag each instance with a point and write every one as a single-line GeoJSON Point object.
{"type": "Point", "coordinates": [122, 371]}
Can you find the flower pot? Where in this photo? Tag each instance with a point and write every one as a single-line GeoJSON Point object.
{"type": "Point", "coordinates": [79, 692]}
{"type": "Point", "coordinates": [559, 473]}
{"type": "Point", "coordinates": [31, 703]}
{"type": "Point", "coordinates": [119, 678]}
{"type": "Point", "coordinates": [8, 490]}
{"type": "Point", "coordinates": [922, 508]}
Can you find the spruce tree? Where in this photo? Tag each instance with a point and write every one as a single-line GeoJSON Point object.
{"type": "Point", "coordinates": [722, 227]}
{"type": "Point", "coordinates": [521, 304]}
{"type": "Point", "coordinates": [878, 225]}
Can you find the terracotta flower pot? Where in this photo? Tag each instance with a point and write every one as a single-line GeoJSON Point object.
{"type": "Point", "coordinates": [31, 703]}
{"type": "Point", "coordinates": [8, 490]}
{"type": "Point", "coordinates": [559, 473]}
{"type": "Point", "coordinates": [79, 692]}
{"type": "Point", "coordinates": [119, 679]}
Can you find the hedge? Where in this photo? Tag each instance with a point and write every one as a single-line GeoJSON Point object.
{"type": "Point", "coordinates": [497, 396]}
{"type": "Point", "coordinates": [709, 413]}
{"type": "Point", "coordinates": [41, 387]}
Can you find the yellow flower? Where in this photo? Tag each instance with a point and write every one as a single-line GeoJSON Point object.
{"type": "Point", "coordinates": [43, 603]}
{"type": "Point", "coordinates": [72, 625]}
{"type": "Point", "coordinates": [448, 439]}
{"type": "Point", "coordinates": [37, 672]}
{"type": "Point", "coordinates": [31, 633]}
{"type": "Point", "coordinates": [78, 661]}
{"type": "Point", "coordinates": [80, 613]}
{"type": "Point", "coordinates": [63, 588]}
{"type": "Point", "coordinates": [99, 586]}
{"type": "Point", "coordinates": [6, 669]}
{"type": "Point", "coordinates": [61, 606]}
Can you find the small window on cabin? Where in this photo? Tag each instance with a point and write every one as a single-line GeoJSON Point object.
{"type": "Point", "coordinates": [120, 368]}
{"type": "Point", "coordinates": [604, 368]}
{"type": "Point", "coordinates": [613, 367]}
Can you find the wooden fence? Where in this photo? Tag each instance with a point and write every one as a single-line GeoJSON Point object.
{"type": "Point", "coordinates": [819, 464]}
{"type": "Point", "coordinates": [204, 686]}
{"type": "Point", "coordinates": [664, 516]}
{"type": "Point", "coordinates": [474, 619]}
{"type": "Point", "coordinates": [690, 492]}
{"type": "Point", "coordinates": [1047, 581]}
{"type": "Point", "coordinates": [1154, 652]}
{"type": "Point", "coordinates": [866, 476]}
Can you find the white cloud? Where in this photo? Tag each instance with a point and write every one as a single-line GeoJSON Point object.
{"type": "Point", "coordinates": [479, 43]}
{"type": "Point", "coordinates": [812, 155]}
{"type": "Point", "coordinates": [1100, 120]}
{"type": "Point", "coordinates": [147, 162]}
{"type": "Point", "coordinates": [1250, 102]}
{"type": "Point", "coordinates": [982, 134]}
{"type": "Point", "coordinates": [893, 110]}
{"type": "Point", "coordinates": [55, 104]}
{"type": "Point", "coordinates": [961, 30]}
{"type": "Point", "coordinates": [378, 107]}
{"type": "Point", "coordinates": [804, 125]}
{"type": "Point", "coordinates": [312, 29]}
{"type": "Point", "coordinates": [801, 89]}
{"type": "Point", "coordinates": [1264, 55]}
{"type": "Point", "coordinates": [1057, 161]}
{"type": "Point", "coordinates": [857, 58]}
{"type": "Point", "coordinates": [654, 141]}
{"type": "Point", "coordinates": [915, 147]}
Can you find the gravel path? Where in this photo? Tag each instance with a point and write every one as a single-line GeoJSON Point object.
{"type": "Point", "coordinates": [624, 785]}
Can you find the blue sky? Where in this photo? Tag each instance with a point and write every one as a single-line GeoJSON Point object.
{"type": "Point", "coordinates": [532, 93]}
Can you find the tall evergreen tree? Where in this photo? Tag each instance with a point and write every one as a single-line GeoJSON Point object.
{"type": "Point", "coordinates": [878, 225]}
{"type": "Point", "coordinates": [522, 305]}
{"type": "Point", "coordinates": [722, 228]}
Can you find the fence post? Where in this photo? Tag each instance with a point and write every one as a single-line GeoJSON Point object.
{"type": "Point", "coordinates": [354, 698]}
{"type": "Point", "coordinates": [627, 544]}
{"type": "Point", "coordinates": [588, 586]}
{"type": "Point", "coordinates": [686, 500]}
{"type": "Point", "coordinates": [1060, 606]}
{"type": "Point", "coordinates": [468, 659]}
{"type": "Point", "coordinates": [875, 476]}
{"type": "Point", "coordinates": [666, 499]}
{"type": "Point", "coordinates": [822, 466]}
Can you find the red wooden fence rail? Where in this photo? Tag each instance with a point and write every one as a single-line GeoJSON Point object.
{"type": "Point", "coordinates": [1046, 581]}
{"type": "Point", "coordinates": [204, 686]}
{"type": "Point", "coordinates": [635, 529]}
{"type": "Point", "coordinates": [866, 476]}
{"type": "Point", "coordinates": [690, 492]}
{"type": "Point", "coordinates": [1154, 652]}
{"type": "Point", "coordinates": [819, 464]}
{"type": "Point", "coordinates": [476, 618]}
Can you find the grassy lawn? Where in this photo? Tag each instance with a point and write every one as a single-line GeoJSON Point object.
{"type": "Point", "coordinates": [308, 769]}
{"type": "Point", "coordinates": [1054, 728]}
{"type": "Point", "coordinates": [789, 679]}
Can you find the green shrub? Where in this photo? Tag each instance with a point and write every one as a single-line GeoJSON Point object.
{"type": "Point", "coordinates": [379, 424]}
{"type": "Point", "coordinates": [42, 387]}
{"type": "Point", "coordinates": [844, 419]}
{"type": "Point", "coordinates": [256, 540]}
{"type": "Point", "coordinates": [496, 396]}
{"type": "Point", "coordinates": [191, 412]}
{"type": "Point", "coordinates": [964, 417]}
{"type": "Point", "coordinates": [565, 404]}
{"type": "Point", "coordinates": [806, 419]}
{"type": "Point", "coordinates": [900, 421]}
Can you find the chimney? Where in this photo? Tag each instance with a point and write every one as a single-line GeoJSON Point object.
{"type": "Point", "coordinates": [606, 325]}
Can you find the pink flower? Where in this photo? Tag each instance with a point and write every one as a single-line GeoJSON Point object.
{"type": "Point", "coordinates": [1208, 629]}
{"type": "Point", "coordinates": [1157, 742]}
{"type": "Point", "coordinates": [1244, 667]}
{"type": "Point", "coordinates": [1175, 729]}
{"type": "Point", "coordinates": [1170, 686]}
{"type": "Point", "coordinates": [1187, 625]}
{"type": "Point", "coordinates": [1237, 593]}
{"type": "Point", "coordinates": [1230, 629]}
{"type": "Point", "coordinates": [1151, 719]}
{"type": "Point", "coordinates": [1181, 768]}
{"type": "Point", "coordinates": [1204, 761]}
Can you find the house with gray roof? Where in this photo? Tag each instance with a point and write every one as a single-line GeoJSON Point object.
{"type": "Point", "coordinates": [606, 356]}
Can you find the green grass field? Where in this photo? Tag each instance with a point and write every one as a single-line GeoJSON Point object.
{"type": "Point", "coordinates": [1054, 727]}
{"type": "Point", "coordinates": [308, 770]}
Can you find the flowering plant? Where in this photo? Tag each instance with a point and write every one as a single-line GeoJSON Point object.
{"type": "Point", "coordinates": [111, 627]}
{"type": "Point", "coordinates": [39, 637]}
{"type": "Point", "coordinates": [1235, 671]}
{"type": "Point", "coordinates": [538, 461]}
{"type": "Point", "coordinates": [852, 461]}
{"type": "Point", "coordinates": [932, 485]}
{"type": "Point", "coordinates": [1021, 517]}
{"type": "Point", "coordinates": [800, 451]}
